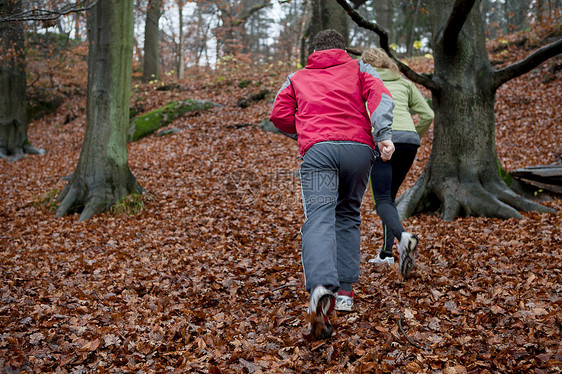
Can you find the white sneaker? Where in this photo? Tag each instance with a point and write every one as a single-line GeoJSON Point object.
{"type": "Point", "coordinates": [378, 260]}
{"type": "Point", "coordinates": [344, 303]}
{"type": "Point", "coordinates": [407, 250]}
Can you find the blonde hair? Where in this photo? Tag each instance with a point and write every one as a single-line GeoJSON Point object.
{"type": "Point", "coordinates": [377, 58]}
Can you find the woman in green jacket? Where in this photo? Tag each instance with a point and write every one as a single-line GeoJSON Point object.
{"type": "Point", "coordinates": [386, 177]}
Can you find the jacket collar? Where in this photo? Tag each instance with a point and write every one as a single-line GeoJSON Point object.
{"type": "Point", "coordinates": [387, 74]}
{"type": "Point", "coordinates": [327, 58]}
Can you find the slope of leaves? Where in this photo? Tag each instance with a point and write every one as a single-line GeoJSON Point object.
{"type": "Point", "coordinates": [208, 277]}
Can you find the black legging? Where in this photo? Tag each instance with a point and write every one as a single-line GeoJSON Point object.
{"type": "Point", "coordinates": [386, 178]}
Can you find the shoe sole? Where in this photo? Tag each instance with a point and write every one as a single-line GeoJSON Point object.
{"type": "Point", "coordinates": [408, 257]}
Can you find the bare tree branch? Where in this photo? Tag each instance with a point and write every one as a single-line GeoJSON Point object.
{"type": "Point", "coordinates": [353, 51]}
{"type": "Point", "coordinates": [49, 15]}
{"type": "Point", "coordinates": [533, 60]}
{"type": "Point", "coordinates": [456, 20]}
{"type": "Point", "coordinates": [242, 17]}
{"type": "Point", "coordinates": [383, 41]}
{"type": "Point", "coordinates": [361, 22]}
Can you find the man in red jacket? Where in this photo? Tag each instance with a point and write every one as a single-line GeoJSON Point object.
{"type": "Point", "coordinates": [324, 104]}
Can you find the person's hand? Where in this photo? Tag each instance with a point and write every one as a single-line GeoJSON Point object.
{"type": "Point", "coordinates": [386, 147]}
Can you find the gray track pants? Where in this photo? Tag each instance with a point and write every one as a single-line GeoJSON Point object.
{"type": "Point", "coordinates": [334, 177]}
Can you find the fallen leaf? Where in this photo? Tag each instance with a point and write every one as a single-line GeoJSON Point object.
{"type": "Point", "coordinates": [408, 314]}
{"type": "Point", "coordinates": [36, 338]}
{"type": "Point", "coordinates": [91, 346]}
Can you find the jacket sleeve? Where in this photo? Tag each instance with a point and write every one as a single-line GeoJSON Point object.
{"type": "Point", "coordinates": [284, 109]}
{"type": "Point", "coordinates": [379, 101]}
{"type": "Point", "coordinates": [419, 105]}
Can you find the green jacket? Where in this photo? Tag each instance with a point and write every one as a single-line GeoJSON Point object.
{"type": "Point", "coordinates": [406, 98]}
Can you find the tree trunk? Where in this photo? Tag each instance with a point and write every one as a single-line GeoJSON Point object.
{"type": "Point", "coordinates": [461, 177]}
{"type": "Point", "coordinates": [13, 121]}
{"type": "Point", "coordinates": [151, 38]}
{"type": "Point", "coordinates": [102, 176]}
{"type": "Point", "coordinates": [412, 30]}
{"type": "Point", "coordinates": [540, 10]}
{"type": "Point", "coordinates": [200, 45]}
{"type": "Point", "coordinates": [385, 17]}
{"type": "Point", "coordinates": [77, 26]}
{"type": "Point", "coordinates": [313, 27]}
{"type": "Point", "coordinates": [334, 17]}
{"type": "Point", "coordinates": [326, 14]}
{"type": "Point", "coordinates": [516, 14]}
{"type": "Point", "coordinates": [181, 62]}
{"type": "Point", "coordinates": [493, 21]}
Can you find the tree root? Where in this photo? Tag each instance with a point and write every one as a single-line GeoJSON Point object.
{"type": "Point", "coordinates": [94, 206]}
{"type": "Point", "coordinates": [508, 196]}
{"type": "Point", "coordinates": [3, 153]}
{"type": "Point", "coordinates": [92, 198]}
{"type": "Point", "coordinates": [68, 199]}
{"type": "Point", "coordinates": [18, 153]}
{"type": "Point", "coordinates": [454, 197]}
{"type": "Point", "coordinates": [31, 150]}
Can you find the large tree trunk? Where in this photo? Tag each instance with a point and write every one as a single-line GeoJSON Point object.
{"type": "Point", "coordinates": [461, 177]}
{"type": "Point", "coordinates": [102, 176]}
{"type": "Point", "coordinates": [334, 17]}
{"type": "Point", "coordinates": [326, 14]}
{"type": "Point", "coordinates": [13, 121]}
{"type": "Point", "coordinates": [385, 17]}
{"type": "Point", "coordinates": [151, 38]}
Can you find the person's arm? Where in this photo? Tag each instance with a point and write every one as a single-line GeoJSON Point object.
{"type": "Point", "coordinates": [419, 105]}
{"type": "Point", "coordinates": [284, 109]}
{"type": "Point", "coordinates": [379, 102]}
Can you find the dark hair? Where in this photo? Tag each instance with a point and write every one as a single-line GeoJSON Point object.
{"type": "Point", "coordinates": [328, 39]}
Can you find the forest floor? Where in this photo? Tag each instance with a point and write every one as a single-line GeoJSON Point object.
{"type": "Point", "coordinates": [207, 276]}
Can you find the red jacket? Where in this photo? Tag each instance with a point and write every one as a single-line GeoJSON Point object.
{"type": "Point", "coordinates": [326, 101]}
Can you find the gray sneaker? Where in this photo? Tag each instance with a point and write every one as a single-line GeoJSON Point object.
{"type": "Point", "coordinates": [407, 250]}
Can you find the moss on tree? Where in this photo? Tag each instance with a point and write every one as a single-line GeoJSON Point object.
{"type": "Point", "coordinates": [148, 123]}
{"type": "Point", "coordinates": [504, 174]}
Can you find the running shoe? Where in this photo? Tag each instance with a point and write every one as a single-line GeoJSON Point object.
{"type": "Point", "coordinates": [378, 260]}
{"type": "Point", "coordinates": [322, 303]}
{"type": "Point", "coordinates": [344, 301]}
{"type": "Point", "coordinates": [407, 250]}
